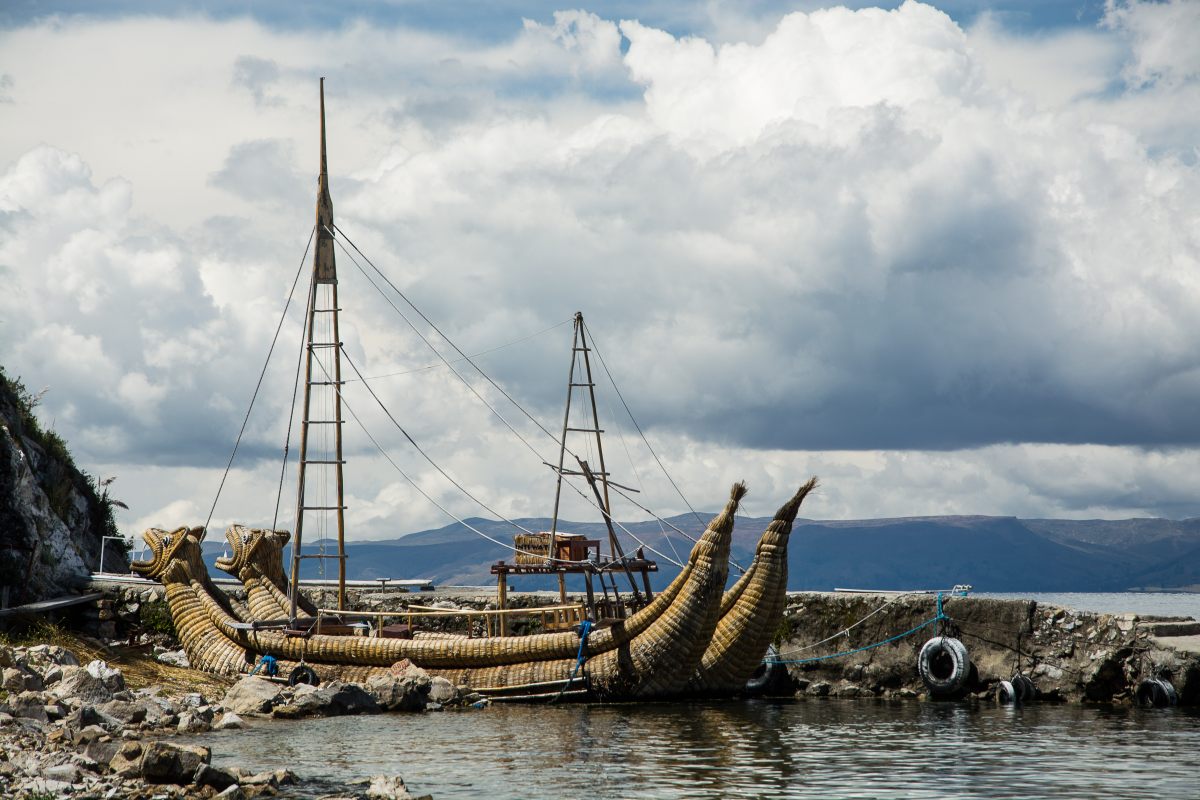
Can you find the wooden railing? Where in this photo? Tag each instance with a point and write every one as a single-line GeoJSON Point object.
{"type": "Point", "coordinates": [495, 621]}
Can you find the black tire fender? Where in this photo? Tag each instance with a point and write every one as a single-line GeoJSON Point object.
{"type": "Point", "coordinates": [766, 673]}
{"type": "Point", "coordinates": [304, 674]}
{"type": "Point", "coordinates": [944, 665]}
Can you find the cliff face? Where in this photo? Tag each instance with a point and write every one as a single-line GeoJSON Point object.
{"type": "Point", "coordinates": [52, 516]}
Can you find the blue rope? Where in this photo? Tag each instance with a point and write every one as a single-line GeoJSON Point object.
{"type": "Point", "coordinates": [940, 616]}
{"type": "Point", "coordinates": [585, 628]}
{"type": "Point", "coordinates": [267, 664]}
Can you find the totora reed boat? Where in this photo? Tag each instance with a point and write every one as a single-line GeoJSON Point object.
{"type": "Point", "coordinates": [691, 638]}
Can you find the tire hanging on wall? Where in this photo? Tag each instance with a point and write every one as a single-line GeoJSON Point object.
{"type": "Point", "coordinates": [1024, 687]}
{"type": "Point", "coordinates": [1156, 693]}
{"type": "Point", "coordinates": [767, 673]}
{"type": "Point", "coordinates": [944, 665]}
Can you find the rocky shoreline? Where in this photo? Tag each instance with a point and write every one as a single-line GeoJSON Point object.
{"type": "Point", "coordinates": [78, 730]}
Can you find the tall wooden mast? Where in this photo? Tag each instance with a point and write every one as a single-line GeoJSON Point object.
{"type": "Point", "coordinates": [320, 322]}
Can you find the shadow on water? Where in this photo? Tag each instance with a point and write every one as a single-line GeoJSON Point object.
{"type": "Point", "coordinates": [783, 749]}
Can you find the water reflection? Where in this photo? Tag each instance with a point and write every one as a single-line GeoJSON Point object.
{"type": "Point", "coordinates": [828, 748]}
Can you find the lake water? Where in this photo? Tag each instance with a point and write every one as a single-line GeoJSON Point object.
{"type": "Point", "coordinates": [744, 749]}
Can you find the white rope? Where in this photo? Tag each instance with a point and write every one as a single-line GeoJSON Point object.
{"type": "Point", "coordinates": [480, 397]}
{"type": "Point", "coordinates": [846, 631]}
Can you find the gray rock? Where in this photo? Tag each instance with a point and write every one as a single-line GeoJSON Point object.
{"type": "Point", "coordinates": [29, 705]}
{"type": "Point", "coordinates": [52, 675]}
{"type": "Point", "coordinates": [229, 721]}
{"type": "Point", "coordinates": [67, 773]}
{"type": "Point", "coordinates": [329, 700]}
{"type": "Point", "coordinates": [79, 684]}
{"type": "Point", "coordinates": [129, 713]}
{"type": "Point", "coordinates": [388, 787]}
{"type": "Point", "coordinates": [104, 752]}
{"type": "Point", "coordinates": [819, 689]}
{"type": "Point", "coordinates": [252, 695]}
{"type": "Point", "coordinates": [110, 676]}
{"type": "Point", "coordinates": [164, 762]}
{"type": "Point", "coordinates": [175, 658]}
{"type": "Point", "coordinates": [442, 691]}
{"type": "Point", "coordinates": [128, 760]}
{"type": "Point", "coordinates": [232, 793]}
{"type": "Point", "coordinates": [12, 680]}
{"type": "Point", "coordinates": [46, 654]}
{"type": "Point", "coordinates": [217, 778]}
{"type": "Point", "coordinates": [399, 694]}
{"type": "Point", "coordinates": [86, 716]}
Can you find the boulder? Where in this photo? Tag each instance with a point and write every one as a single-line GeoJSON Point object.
{"type": "Point", "coordinates": [128, 760]}
{"type": "Point", "coordinates": [229, 721]}
{"type": "Point", "coordinates": [329, 700]}
{"type": "Point", "coordinates": [67, 773]}
{"type": "Point", "coordinates": [399, 694]}
{"type": "Point", "coordinates": [164, 762]}
{"type": "Point", "coordinates": [129, 713]}
{"type": "Point", "coordinates": [232, 793]}
{"type": "Point", "coordinates": [29, 705]}
{"type": "Point", "coordinates": [110, 676]}
{"type": "Point", "coordinates": [104, 752]}
{"type": "Point", "coordinates": [252, 695]}
{"type": "Point", "coordinates": [390, 787]}
{"type": "Point", "coordinates": [217, 778]}
{"type": "Point", "coordinates": [52, 675]}
{"type": "Point", "coordinates": [12, 680]}
{"type": "Point", "coordinates": [442, 691]}
{"type": "Point", "coordinates": [79, 684]}
{"type": "Point", "coordinates": [43, 655]}
{"type": "Point", "coordinates": [175, 658]}
{"type": "Point", "coordinates": [86, 716]}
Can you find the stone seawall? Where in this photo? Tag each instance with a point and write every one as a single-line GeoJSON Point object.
{"type": "Point", "coordinates": [1070, 655]}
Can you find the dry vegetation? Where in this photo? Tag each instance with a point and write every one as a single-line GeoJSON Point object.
{"type": "Point", "coordinates": [140, 668]}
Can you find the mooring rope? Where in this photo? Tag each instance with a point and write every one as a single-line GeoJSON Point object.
{"type": "Point", "coordinates": [889, 640]}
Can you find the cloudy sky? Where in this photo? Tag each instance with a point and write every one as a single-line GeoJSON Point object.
{"type": "Point", "coordinates": [945, 257]}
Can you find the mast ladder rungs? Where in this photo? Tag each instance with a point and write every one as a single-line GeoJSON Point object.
{"type": "Point", "coordinates": [326, 383]}
{"type": "Point", "coordinates": [582, 349]}
{"type": "Point", "coordinates": [323, 508]}
{"type": "Point", "coordinates": [587, 430]}
{"type": "Point", "coordinates": [583, 384]}
{"type": "Point", "coordinates": [314, 345]}
{"type": "Point", "coordinates": [322, 461]}
{"type": "Point", "coordinates": [324, 422]}
{"type": "Point", "coordinates": [325, 310]}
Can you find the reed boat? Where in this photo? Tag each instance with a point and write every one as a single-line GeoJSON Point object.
{"type": "Point", "coordinates": [653, 653]}
{"type": "Point", "coordinates": [693, 637]}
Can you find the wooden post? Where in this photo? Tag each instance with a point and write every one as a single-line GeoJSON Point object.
{"type": "Point", "coordinates": [502, 601]}
{"type": "Point", "coordinates": [562, 588]}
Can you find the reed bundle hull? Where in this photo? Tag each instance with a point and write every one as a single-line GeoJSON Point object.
{"type": "Point", "coordinates": [652, 654]}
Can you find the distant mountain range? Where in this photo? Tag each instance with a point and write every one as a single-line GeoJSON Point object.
{"type": "Point", "coordinates": [994, 554]}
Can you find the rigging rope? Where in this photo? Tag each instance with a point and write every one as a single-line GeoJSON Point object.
{"type": "Point", "coordinates": [474, 391]}
{"type": "Point", "coordinates": [428, 367]}
{"type": "Point", "coordinates": [261, 375]}
{"type": "Point", "coordinates": [291, 414]}
{"type": "Point", "coordinates": [435, 503]}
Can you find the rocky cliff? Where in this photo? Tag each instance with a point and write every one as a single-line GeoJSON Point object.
{"type": "Point", "coordinates": [52, 515]}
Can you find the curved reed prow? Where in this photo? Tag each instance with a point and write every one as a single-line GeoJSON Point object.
{"type": "Point", "coordinates": [752, 608]}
